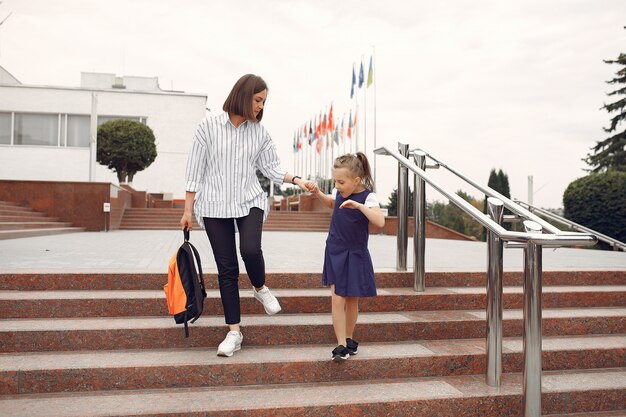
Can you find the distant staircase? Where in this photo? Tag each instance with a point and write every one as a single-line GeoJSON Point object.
{"type": "Point", "coordinates": [18, 221]}
{"type": "Point", "coordinates": [169, 218]}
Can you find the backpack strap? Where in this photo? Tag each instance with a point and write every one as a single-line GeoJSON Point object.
{"type": "Point", "coordinates": [200, 292]}
{"type": "Point", "coordinates": [186, 326]}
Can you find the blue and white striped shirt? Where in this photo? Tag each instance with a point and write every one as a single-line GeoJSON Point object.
{"type": "Point", "coordinates": [221, 167]}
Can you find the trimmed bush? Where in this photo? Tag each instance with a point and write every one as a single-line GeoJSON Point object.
{"type": "Point", "coordinates": [598, 201]}
{"type": "Point", "coordinates": [126, 147]}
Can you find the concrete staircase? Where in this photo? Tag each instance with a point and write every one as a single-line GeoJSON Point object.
{"type": "Point", "coordinates": [18, 221]}
{"type": "Point", "coordinates": [169, 218]}
{"type": "Point", "coordinates": [102, 345]}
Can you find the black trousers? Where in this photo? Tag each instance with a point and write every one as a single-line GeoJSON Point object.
{"type": "Point", "coordinates": [221, 234]}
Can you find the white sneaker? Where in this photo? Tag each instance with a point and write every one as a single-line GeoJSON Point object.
{"type": "Point", "coordinates": [231, 344]}
{"type": "Point", "coordinates": [270, 303]}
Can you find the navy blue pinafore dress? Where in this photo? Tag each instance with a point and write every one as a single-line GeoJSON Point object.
{"type": "Point", "coordinates": [347, 261]}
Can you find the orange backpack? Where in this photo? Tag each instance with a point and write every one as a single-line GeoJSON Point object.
{"type": "Point", "coordinates": [184, 291]}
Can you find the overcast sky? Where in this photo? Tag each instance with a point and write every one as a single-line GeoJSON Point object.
{"type": "Point", "coordinates": [481, 84]}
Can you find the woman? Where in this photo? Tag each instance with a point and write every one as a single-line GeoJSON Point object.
{"type": "Point", "coordinates": [227, 149]}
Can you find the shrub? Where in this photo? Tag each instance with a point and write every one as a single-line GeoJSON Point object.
{"type": "Point", "coordinates": [598, 201]}
{"type": "Point", "coordinates": [126, 147]}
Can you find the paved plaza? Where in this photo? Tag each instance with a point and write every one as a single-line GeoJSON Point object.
{"type": "Point", "coordinates": [149, 251]}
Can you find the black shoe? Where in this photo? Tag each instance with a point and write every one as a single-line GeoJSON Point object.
{"type": "Point", "coordinates": [340, 353]}
{"type": "Point", "coordinates": [352, 346]}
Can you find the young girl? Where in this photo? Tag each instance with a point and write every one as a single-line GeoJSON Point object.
{"type": "Point", "coordinates": [348, 266]}
{"type": "Point", "coordinates": [221, 167]}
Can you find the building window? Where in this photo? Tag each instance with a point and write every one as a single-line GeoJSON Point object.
{"type": "Point", "coordinates": [5, 128]}
{"type": "Point", "coordinates": [56, 129]}
{"type": "Point", "coordinates": [78, 130]}
{"type": "Point", "coordinates": [37, 129]}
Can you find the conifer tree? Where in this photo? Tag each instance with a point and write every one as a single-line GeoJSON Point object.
{"type": "Point", "coordinates": [610, 153]}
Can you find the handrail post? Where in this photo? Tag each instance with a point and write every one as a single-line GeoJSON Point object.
{"type": "Point", "coordinates": [495, 209]}
{"type": "Point", "coordinates": [419, 227]}
{"type": "Point", "coordinates": [532, 324]}
{"type": "Point", "coordinates": [403, 203]}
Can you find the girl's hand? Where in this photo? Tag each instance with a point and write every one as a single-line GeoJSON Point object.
{"type": "Point", "coordinates": [311, 187]}
{"type": "Point", "coordinates": [350, 204]}
{"type": "Point", "coordinates": [186, 222]}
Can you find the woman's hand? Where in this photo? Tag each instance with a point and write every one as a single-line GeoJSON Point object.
{"type": "Point", "coordinates": [186, 221]}
{"type": "Point", "coordinates": [302, 184]}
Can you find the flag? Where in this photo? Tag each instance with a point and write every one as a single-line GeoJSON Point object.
{"type": "Point", "coordinates": [324, 125]}
{"type": "Point", "coordinates": [336, 136]}
{"type": "Point", "coordinates": [370, 74]}
{"type": "Point", "coordinates": [361, 76]}
{"type": "Point", "coordinates": [342, 130]}
{"type": "Point", "coordinates": [310, 132]}
{"type": "Point", "coordinates": [318, 129]}
{"type": "Point", "coordinates": [331, 122]}
{"type": "Point", "coordinates": [319, 145]}
{"type": "Point", "coordinates": [350, 124]}
{"type": "Point", "coordinates": [353, 82]}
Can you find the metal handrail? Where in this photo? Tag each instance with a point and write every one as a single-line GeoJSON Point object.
{"type": "Point", "coordinates": [508, 203]}
{"type": "Point", "coordinates": [555, 237]}
{"type": "Point", "coordinates": [533, 240]}
{"type": "Point", "coordinates": [553, 216]}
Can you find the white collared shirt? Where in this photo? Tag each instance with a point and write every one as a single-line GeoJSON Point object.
{"type": "Point", "coordinates": [222, 164]}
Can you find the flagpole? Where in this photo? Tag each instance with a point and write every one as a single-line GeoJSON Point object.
{"type": "Point", "coordinates": [364, 114]}
{"type": "Point", "coordinates": [343, 129]}
{"type": "Point", "coordinates": [356, 131]}
{"type": "Point", "coordinates": [375, 83]}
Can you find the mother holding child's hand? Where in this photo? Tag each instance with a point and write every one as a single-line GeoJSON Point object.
{"type": "Point", "coordinates": [226, 152]}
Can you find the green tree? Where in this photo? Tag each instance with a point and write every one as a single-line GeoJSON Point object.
{"type": "Point", "coordinates": [451, 216]}
{"type": "Point", "coordinates": [392, 205]}
{"type": "Point", "coordinates": [126, 147]}
{"type": "Point", "coordinates": [598, 201]}
{"type": "Point", "coordinates": [610, 153]}
{"type": "Point", "coordinates": [498, 181]}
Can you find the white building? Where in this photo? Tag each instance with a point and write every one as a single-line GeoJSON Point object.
{"type": "Point", "coordinates": [45, 130]}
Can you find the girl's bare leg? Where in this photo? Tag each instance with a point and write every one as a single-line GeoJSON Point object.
{"type": "Point", "coordinates": [339, 316]}
{"type": "Point", "coordinates": [352, 313]}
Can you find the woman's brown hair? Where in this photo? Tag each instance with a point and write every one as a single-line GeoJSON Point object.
{"type": "Point", "coordinates": [239, 101]}
{"type": "Point", "coordinates": [358, 165]}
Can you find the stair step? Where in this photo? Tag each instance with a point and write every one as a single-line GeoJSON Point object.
{"type": "Point", "coordinates": [20, 211]}
{"type": "Point", "coordinates": [618, 413]}
{"type": "Point", "coordinates": [131, 281]}
{"type": "Point", "coordinates": [9, 204]}
{"type": "Point", "coordinates": [32, 225]}
{"type": "Point", "coordinates": [49, 304]}
{"type": "Point", "coordinates": [468, 395]}
{"type": "Point", "coordinates": [168, 219]}
{"type": "Point", "coordinates": [27, 218]}
{"type": "Point", "coordinates": [27, 335]}
{"type": "Point", "coordinates": [26, 373]}
{"type": "Point", "coordinates": [15, 234]}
